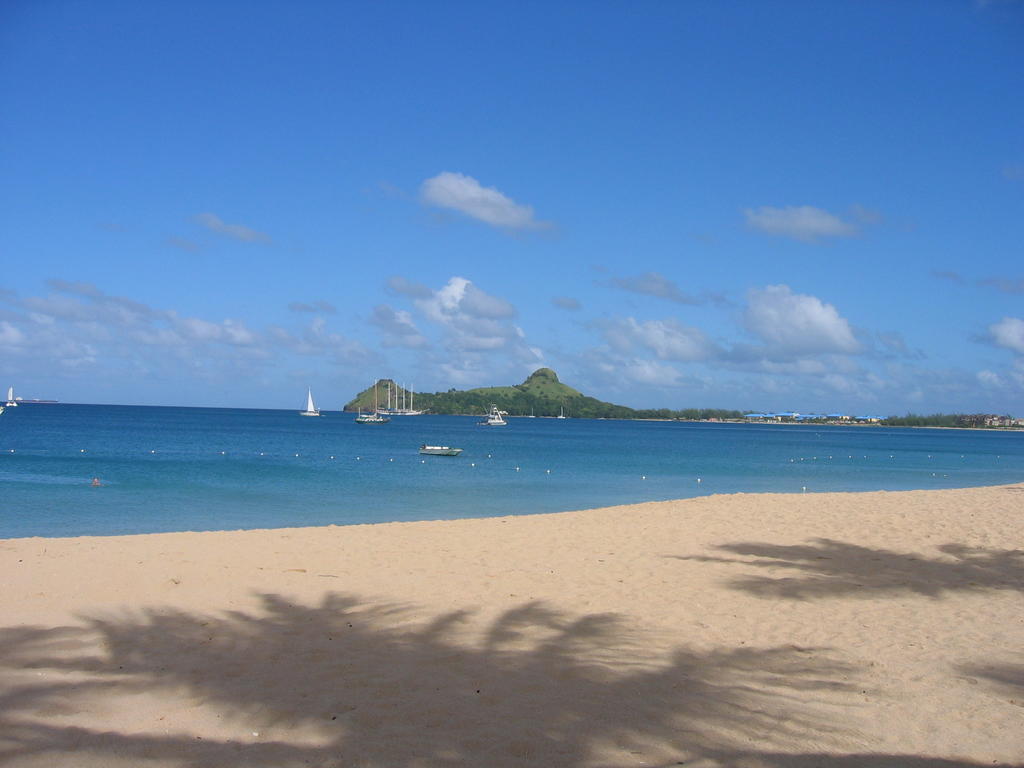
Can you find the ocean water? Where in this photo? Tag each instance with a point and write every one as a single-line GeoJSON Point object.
{"type": "Point", "coordinates": [177, 469]}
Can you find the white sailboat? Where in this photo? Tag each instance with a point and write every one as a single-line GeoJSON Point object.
{"type": "Point", "coordinates": [561, 413]}
{"type": "Point", "coordinates": [311, 409]}
{"type": "Point", "coordinates": [372, 418]}
{"type": "Point", "coordinates": [11, 402]}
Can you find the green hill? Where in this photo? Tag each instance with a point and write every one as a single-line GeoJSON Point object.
{"type": "Point", "coordinates": [542, 394]}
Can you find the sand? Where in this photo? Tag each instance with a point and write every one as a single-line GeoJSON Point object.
{"type": "Point", "coordinates": [831, 630]}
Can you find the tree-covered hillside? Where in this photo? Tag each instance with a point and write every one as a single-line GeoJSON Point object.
{"type": "Point", "coordinates": [542, 394]}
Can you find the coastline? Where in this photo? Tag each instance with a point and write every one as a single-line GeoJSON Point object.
{"type": "Point", "coordinates": [834, 629]}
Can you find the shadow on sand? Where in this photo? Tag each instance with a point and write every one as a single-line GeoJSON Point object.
{"type": "Point", "coordinates": [350, 683]}
{"type": "Point", "coordinates": [829, 568]}
{"type": "Point", "coordinates": [1006, 679]}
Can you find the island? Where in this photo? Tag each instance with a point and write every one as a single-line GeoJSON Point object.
{"type": "Point", "coordinates": [541, 395]}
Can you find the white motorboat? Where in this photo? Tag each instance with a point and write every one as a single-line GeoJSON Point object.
{"type": "Point", "coordinates": [371, 418]}
{"type": "Point", "coordinates": [495, 418]}
{"type": "Point", "coordinates": [439, 450]}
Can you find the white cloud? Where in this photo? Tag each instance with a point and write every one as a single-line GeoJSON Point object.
{"type": "Point", "coordinates": [953, 277]}
{"type": "Point", "coordinates": [183, 243]}
{"type": "Point", "coordinates": [1009, 333]}
{"type": "Point", "coordinates": [1017, 374]}
{"type": "Point", "coordinates": [460, 301]}
{"type": "Point", "coordinates": [479, 304]}
{"type": "Point", "coordinates": [990, 379]}
{"type": "Point", "coordinates": [667, 339]}
{"type": "Point", "coordinates": [567, 302]}
{"type": "Point", "coordinates": [865, 215]}
{"type": "Point", "coordinates": [894, 345]}
{"type": "Point", "coordinates": [226, 332]}
{"type": "Point", "coordinates": [237, 231]}
{"type": "Point", "coordinates": [78, 327]}
{"type": "Point", "coordinates": [803, 222]}
{"type": "Point", "coordinates": [649, 373]}
{"type": "Point", "coordinates": [398, 327]}
{"type": "Point", "coordinates": [403, 287]}
{"type": "Point", "coordinates": [856, 387]}
{"type": "Point", "coordinates": [314, 307]}
{"type": "Point", "coordinates": [10, 336]}
{"type": "Point", "coordinates": [85, 303]}
{"type": "Point", "coordinates": [805, 366]}
{"type": "Point", "coordinates": [316, 340]}
{"type": "Point", "coordinates": [1004, 284]}
{"type": "Point", "coordinates": [75, 288]}
{"type": "Point", "coordinates": [796, 323]}
{"type": "Point", "coordinates": [462, 193]}
{"type": "Point", "coordinates": [653, 284]}
{"type": "Point", "coordinates": [475, 326]}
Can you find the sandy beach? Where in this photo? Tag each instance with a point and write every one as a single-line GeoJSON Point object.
{"type": "Point", "coordinates": [831, 630]}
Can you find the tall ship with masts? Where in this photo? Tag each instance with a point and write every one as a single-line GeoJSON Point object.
{"type": "Point", "coordinates": [397, 402]}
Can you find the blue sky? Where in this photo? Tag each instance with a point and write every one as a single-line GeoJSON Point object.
{"type": "Point", "coordinates": [757, 205]}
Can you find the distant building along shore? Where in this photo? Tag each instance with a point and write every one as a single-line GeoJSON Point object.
{"type": "Point", "coordinates": [975, 420]}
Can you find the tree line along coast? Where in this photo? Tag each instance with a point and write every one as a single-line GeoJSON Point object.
{"type": "Point", "coordinates": [542, 395]}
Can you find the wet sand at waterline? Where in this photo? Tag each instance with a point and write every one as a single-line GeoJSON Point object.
{"type": "Point", "coordinates": [831, 630]}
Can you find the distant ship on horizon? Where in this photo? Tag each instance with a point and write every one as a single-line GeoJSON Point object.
{"type": "Point", "coordinates": [14, 402]}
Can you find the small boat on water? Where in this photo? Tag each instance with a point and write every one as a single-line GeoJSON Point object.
{"type": "Point", "coordinates": [311, 409]}
{"type": "Point", "coordinates": [439, 450]}
{"type": "Point", "coordinates": [495, 418]}
{"type": "Point", "coordinates": [11, 402]}
{"type": "Point", "coordinates": [372, 418]}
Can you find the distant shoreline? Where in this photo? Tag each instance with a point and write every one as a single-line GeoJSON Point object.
{"type": "Point", "coordinates": [345, 412]}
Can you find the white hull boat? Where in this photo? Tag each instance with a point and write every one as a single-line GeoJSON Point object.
{"type": "Point", "coordinates": [495, 418]}
{"type": "Point", "coordinates": [439, 450]}
{"type": "Point", "coordinates": [311, 409]}
{"type": "Point", "coordinates": [377, 416]}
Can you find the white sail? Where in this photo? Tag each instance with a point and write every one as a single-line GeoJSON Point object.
{"type": "Point", "coordinates": [10, 397]}
{"type": "Point", "coordinates": [310, 407]}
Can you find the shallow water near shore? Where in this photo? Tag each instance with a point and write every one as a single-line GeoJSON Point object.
{"type": "Point", "coordinates": [175, 469]}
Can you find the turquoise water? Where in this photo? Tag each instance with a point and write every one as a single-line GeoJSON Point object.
{"type": "Point", "coordinates": [176, 469]}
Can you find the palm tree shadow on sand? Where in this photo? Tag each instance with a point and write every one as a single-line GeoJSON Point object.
{"type": "Point", "coordinates": [376, 687]}
{"type": "Point", "coordinates": [829, 568]}
{"type": "Point", "coordinates": [1005, 678]}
